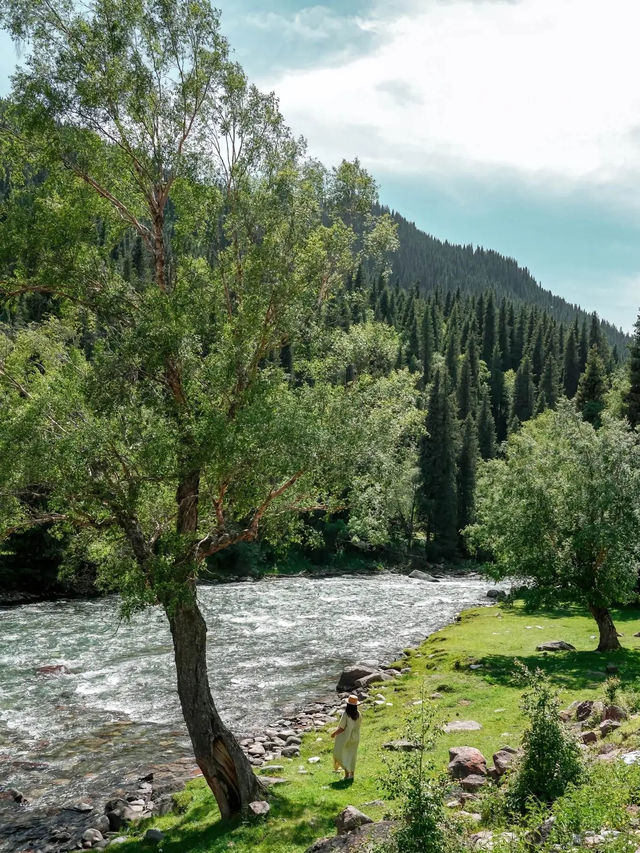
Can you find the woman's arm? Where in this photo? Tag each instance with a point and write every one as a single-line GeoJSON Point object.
{"type": "Point", "coordinates": [338, 731]}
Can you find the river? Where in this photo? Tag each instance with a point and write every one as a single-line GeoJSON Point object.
{"type": "Point", "coordinates": [273, 645]}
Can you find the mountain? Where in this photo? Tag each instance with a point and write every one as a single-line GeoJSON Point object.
{"type": "Point", "coordinates": [435, 264]}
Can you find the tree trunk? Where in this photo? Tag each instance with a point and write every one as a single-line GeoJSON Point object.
{"type": "Point", "coordinates": [608, 634]}
{"type": "Point", "coordinates": [219, 756]}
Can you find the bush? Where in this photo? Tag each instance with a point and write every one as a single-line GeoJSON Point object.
{"type": "Point", "coordinates": [418, 791]}
{"type": "Point", "coordinates": [551, 755]}
{"type": "Point", "coordinates": [611, 689]}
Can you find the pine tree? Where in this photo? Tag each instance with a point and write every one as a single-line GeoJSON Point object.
{"type": "Point", "coordinates": [583, 347]}
{"type": "Point", "coordinates": [466, 390]}
{"type": "Point", "coordinates": [499, 400]}
{"type": "Point", "coordinates": [439, 492]}
{"type": "Point", "coordinates": [571, 367]}
{"type": "Point", "coordinates": [428, 344]}
{"type": "Point", "coordinates": [467, 464]}
{"type": "Point", "coordinates": [452, 353]}
{"type": "Point", "coordinates": [472, 354]}
{"type": "Point", "coordinates": [489, 329]}
{"type": "Point", "coordinates": [523, 392]}
{"type": "Point", "coordinates": [536, 354]}
{"type": "Point", "coordinates": [504, 335]}
{"type": "Point", "coordinates": [632, 397]}
{"type": "Point", "coordinates": [592, 388]}
{"type": "Point", "coordinates": [549, 382]}
{"type": "Point", "coordinates": [486, 427]}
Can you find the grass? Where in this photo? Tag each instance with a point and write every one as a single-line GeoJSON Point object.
{"type": "Point", "coordinates": [303, 809]}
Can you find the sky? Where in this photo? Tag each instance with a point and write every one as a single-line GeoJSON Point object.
{"type": "Point", "coordinates": [511, 124]}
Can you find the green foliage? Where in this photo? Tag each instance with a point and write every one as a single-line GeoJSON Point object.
{"type": "Point", "coordinates": [561, 510]}
{"type": "Point", "coordinates": [550, 754]}
{"type": "Point", "coordinates": [632, 396]}
{"type": "Point", "coordinates": [592, 388]}
{"type": "Point", "coordinates": [417, 791]}
{"type": "Point", "coordinates": [612, 689]}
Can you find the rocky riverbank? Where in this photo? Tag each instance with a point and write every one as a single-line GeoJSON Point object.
{"type": "Point", "coordinates": [97, 823]}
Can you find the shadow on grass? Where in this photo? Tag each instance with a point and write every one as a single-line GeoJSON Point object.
{"type": "Point", "coordinates": [288, 825]}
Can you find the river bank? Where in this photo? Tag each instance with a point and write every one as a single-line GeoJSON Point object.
{"type": "Point", "coordinates": [99, 724]}
{"type": "Point", "coordinates": [304, 806]}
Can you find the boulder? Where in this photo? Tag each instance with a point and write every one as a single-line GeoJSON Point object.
{"type": "Point", "coordinates": [291, 751]}
{"type": "Point", "coordinates": [472, 783]}
{"type": "Point", "coordinates": [608, 726]}
{"type": "Point", "coordinates": [364, 838]}
{"type": "Point", "coordinates": [155, 836]}
{"type": "Point", "coordinates": [584, 710]}
{"type": "Point", "coordinates": [555, 646]}
{"type": "Point", "coordinates": [615, 712]}
{"type": "Point", "coordinates": [259, 808]}
{"type": "Point", "coordinates": [496, 594]}
{"type": "Point", "coordinates": [349, 819]}
{"type": "Point", "coordinates": [462, 726]}
{"type": "Point", "coordinates": [502, 759]}
{"type": "Point", "coordinates": [466, 761]}
{"type": "Point", "coordinates": [588, 737]}
{"type": "Point", "coordinates": [423, 576]}
{"type": "Point", "coordinates": [92, 836]}
{"type": "Point", "coordinates": [401, 745]}
{"type": "Point", "coordinates": [350, 675]}
{"type": "Point", "coordinates": [373, 678]}
{"type": "Point", "coordinates": [53, 669]}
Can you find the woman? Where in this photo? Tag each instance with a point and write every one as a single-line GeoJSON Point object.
{"type": "Point", "coordinates": [347, 738]}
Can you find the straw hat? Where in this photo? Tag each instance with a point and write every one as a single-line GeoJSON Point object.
{"type": "Point", "coordinates": [353, 700]}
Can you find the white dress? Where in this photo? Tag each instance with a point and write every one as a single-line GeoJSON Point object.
{"type": "Point", "coordinates": [345, 748]}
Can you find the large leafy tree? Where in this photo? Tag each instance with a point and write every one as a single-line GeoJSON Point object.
{"type": "Point", "coordinates": [150, 413]}
{"type": "Point", "coordinates": [561, 512]}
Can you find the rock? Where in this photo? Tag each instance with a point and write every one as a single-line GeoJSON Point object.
{"type": "Point", "coordinates": [609, 726]}
{"type": "Point", "coordinates": [615, 712]}
{"type": "Point", "coordinates": [436, 695]}
{"type": "Point", "coordinates": [496, 594]}
{"type": "Point", "coordinates": [259, 808]}
{"type": "Point", "coordinates": [466, 761]}
{"type": "Point", "coordinates": [349, 676]}
{"type": "Point", "coordinates": [482, 840]}
{"type": "Point", "coordinates": [555, 646]}
{"type": "Point", "coordinates": [349, 819]}
{"type": "Point", "coordinates": [271, 781]}
{"type": "Point", "coordinates": [154, 835]}
{"type": "Point", "coordinates": [101, 823]}
{"type": "Point", "coordinates": [540, 834]}
{"type": "Point", "coordinates": [291, 751]}
{"type": "Point", "coordinates": [631, 757]}
{"type": "Point", "coordinates": [502, 759]}
{"type": "Point", "coordinates": [584, 710]}
{"type": "Point", "coordinates": [462, 726]}
{"type": "Point", "coordinates": [472, 783]}
{"type": "Point", "coordinates": [313, 760]}
{"type": "Point", "coordinates": [423, 576]}
{"type": "Point", "coordinates": [401, 745]}
{"type": "Point", "coordinates": [366, 837]}
{"type": "Point", "coordinates": [52, 669]}
{"type": "Point", "coordinates": [373, 678]}
{"type": "Point", "coordinates": [271, 768]}
{"type": "Point", "coordinates": [256, 749]}
{"type": "Point", "coordinates": [93, 836]}
{"type": "Point", "coordinates": [588, 737]}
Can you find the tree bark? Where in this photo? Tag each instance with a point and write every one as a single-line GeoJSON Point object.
{"type": "Point", "coordinates": [608, 635]}
{"type": "Point", "coordinates": [218, 755]}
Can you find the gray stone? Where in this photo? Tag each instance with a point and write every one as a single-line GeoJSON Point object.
{"type": "Point", "coordinates": [555, 646]}
{"type": "Point", "coordinates": [291, 751]}
{"type": "Point", "coordinates": [401, 745]}
{"type": "Point", "coordinates": [496, 594]}
{"type": "Point", "coordinates": [462, 726]}
{"type": "Point", "coordinates": [154, 835]}
{"type": "Point", "coordinates": [373, 678]}
{"type": "Point", "coordinates": [349, 676]}
{"type": "Point", "coordinates": [588, 737]}
{"type": "Point", "coordinates": [259, 808]}
{"type": "Point", "coordinates": [609, 726]}
{"type": "Point", "coordinates": [423, 576]}
{"type": "Point", "coordinates": [92, 836]}
{"type": "Point", "coordinates": [366, 837]}
{"type": "Point", "coordinates": [615, 712]}
{"type": "Point", "coordinates": [502, 760]}
{"type": "Point", "coordinates": [350, 818]}
{"type": "Point", "coordinates": [473, 783]}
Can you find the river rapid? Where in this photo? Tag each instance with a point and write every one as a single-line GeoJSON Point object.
{"type": "Point", "coordinates": [273, 646]}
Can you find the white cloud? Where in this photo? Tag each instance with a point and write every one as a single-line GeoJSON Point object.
{"type": "Point", "coordinates": [546, 89]}
{"type": "Point", "coordinates": [313, 23]}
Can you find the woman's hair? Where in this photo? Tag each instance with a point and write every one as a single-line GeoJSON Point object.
{"type": "Point", "coordinates": [352, 711]}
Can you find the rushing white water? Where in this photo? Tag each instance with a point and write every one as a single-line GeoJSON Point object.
{"type": "Point", "coordinates": [273, 645]}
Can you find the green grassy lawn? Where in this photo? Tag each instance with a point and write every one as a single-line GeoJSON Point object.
{"type": "Point", "coordinates": [303, 809]}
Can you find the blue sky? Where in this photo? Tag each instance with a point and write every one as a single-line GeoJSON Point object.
{"type": "Point", "coordinates": [513, 124]}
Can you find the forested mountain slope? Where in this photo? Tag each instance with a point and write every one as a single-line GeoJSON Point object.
{"type": "Point", "coordinates": [446, 266]}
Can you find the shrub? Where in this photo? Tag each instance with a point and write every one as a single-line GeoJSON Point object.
{"type": "Point", "coordinates": [410, 780]}
{"type": "Point", "coordinates": [551, 755]}
{"type": "Point", "coordinates": [611, 689]}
